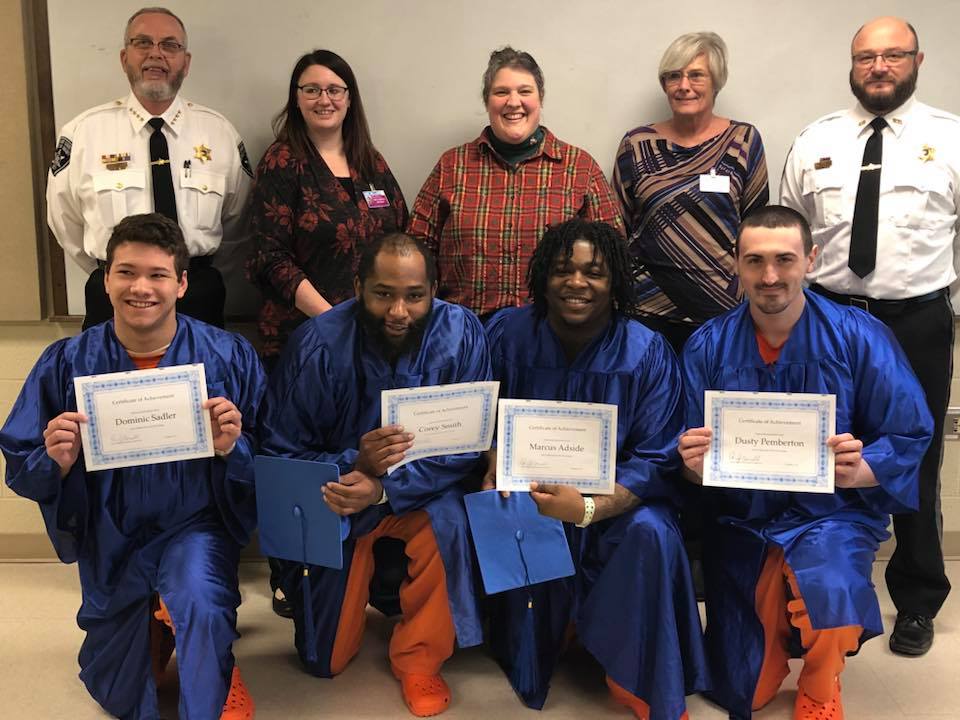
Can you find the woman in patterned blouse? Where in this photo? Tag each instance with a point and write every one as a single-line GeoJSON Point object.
{"type": "Point", "coordinates": [322, 193]}
{"type": "Point", "coordinates": [683, 185]}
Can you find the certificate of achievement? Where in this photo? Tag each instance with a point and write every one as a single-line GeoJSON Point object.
{"type": "Point", "coordinates": [561, 443]}
{"type": "Point", "coordinates": [142, 417]}
{"type": "Point", "coordinates": [769, 441]}
{"type": "Point", "coordinates": [444, 419]}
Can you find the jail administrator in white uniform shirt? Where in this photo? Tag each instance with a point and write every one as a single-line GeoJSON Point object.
{"type": "Point", "coordinates": [101, 173]}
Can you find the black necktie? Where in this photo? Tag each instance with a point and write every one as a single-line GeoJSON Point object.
{"type": "Point", "coordinates": [163, 198]}
{"type": "Point", "coordinates": [863, 236]}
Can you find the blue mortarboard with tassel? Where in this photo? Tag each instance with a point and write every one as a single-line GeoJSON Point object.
{"type": "Point", "coordinates": [295, 523]}
{"type": "Point", "coordinates": [516, 545]}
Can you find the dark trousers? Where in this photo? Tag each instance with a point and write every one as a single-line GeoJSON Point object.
{"type": "Point", "coordinates": [916, 577]}
{"type": "Point", "coordinates": [203, 300]}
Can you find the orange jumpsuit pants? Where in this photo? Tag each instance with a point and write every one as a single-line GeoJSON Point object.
{"type": "Point", "coordinates": [424, 637]}
{"type": "Point", "coordinates": [825, 650]}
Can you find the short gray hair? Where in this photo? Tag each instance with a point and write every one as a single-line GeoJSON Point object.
{"type": "Point", "coordinates": [152, 11]}
{"type": "Point", "coordinates": [685, 48]}
{"type": "Point", "coordinates": [507, 57]}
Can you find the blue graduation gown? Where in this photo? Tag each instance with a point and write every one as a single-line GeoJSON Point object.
{"type": "Point", "coordinates": [828, 540]}
{"type": "Point", "coordinates": [176, 528]}
{"type": "Point", "coordinates": [631, 598]}
{"type": "Point", "coordinates": [325, 395]}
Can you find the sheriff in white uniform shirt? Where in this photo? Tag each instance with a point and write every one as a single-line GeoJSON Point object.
{"type": "Point", "coordinates": [103, 168]}
{"type": "Point", "coordinates": [880, 186]}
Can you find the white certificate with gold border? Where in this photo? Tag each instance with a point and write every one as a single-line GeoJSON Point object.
{"type": "Point", "coordinates": [556, 442]}
{"type": "Point", "coordinates": [141, 417]}
{"type": "Point", "coordinates": [769, 441]}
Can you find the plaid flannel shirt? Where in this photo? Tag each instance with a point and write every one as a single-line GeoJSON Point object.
{"type": "Point", "coordinates": [482, 218]}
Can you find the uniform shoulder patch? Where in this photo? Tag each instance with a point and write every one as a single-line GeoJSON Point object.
{"type": "Point", "coordinates": [244, 160]}
{"type": "Point", "coordinates": [61, 157]}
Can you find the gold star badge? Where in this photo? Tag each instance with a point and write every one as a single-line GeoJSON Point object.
{"type": "Point", "coordinates": [927, 153]}
{"type": "Point", "coordinates": [202, 153]}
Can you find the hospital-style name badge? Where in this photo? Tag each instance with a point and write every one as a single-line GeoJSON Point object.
{"type": "Point", "coordinates": [714, 183]}
{"type": "Point", "coordinates": [375, 198]}
{"type": "Point", "coordinates": [927, 153]}
{"type": "Point", "coordinates": [202, 153]}
{"type": "Point", "coordinates": [115, 161]}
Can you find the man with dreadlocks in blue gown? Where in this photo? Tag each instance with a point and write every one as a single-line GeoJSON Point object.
{"type": "Point", "coordinates": [631, 599]}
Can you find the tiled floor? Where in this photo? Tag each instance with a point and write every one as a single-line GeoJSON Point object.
{"type": "Point", "coordinates": [39, 641]}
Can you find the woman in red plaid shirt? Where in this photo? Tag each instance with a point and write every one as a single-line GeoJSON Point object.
{"type": "Point", "coordinates": [487, 203]}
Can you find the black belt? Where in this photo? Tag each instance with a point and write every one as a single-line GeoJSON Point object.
{"type": "Point", "coordinates": [197, 261]}
{"type": "Point", "coordinates": [865, 303]}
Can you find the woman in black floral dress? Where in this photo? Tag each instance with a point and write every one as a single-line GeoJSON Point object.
{"type": "Point", "coordinates": [322, 193]}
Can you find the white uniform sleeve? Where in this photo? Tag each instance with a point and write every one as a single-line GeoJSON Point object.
{"type": "Point", "coordinates": [64, 214]}
{"type": "Point", "coordinates": [791, 183]}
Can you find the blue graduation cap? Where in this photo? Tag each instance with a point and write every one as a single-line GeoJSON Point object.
{"type": "Point", "coordinates": [295, 523]}
{"type": "Point", "coordinates": [516, 545]}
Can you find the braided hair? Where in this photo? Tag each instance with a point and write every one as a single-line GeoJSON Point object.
{"type": "Point", "coordinates": [558, 240]}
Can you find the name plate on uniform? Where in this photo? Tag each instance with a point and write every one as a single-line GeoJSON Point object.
{"type": "Point", "coordinates": [444, 419]}
{"type": "Point", "coordinates": [560, 443]}
{"type": "Point", "coordinates": [141, 417]}
{"type": "Point", "coordinates": [770, 441]}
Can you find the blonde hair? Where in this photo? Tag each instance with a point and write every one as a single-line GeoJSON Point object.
{"type": "Point", "coordinates": [685, 48]}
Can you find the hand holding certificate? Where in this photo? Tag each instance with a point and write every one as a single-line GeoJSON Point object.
{"type": "Point", "coordinates": [443, 419]}
{"type": "Point", "coordinates": [770, 441]}
{"type": "Point", "coordinates": [147, 416]}
{"type": "Point", "coordinates": [558, 443]}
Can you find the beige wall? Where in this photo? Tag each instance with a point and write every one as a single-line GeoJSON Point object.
{"type": "Point", "coordinates": [21, 529]}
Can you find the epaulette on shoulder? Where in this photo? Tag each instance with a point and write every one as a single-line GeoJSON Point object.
{"type": "Point", "coordinates": [823, 120]}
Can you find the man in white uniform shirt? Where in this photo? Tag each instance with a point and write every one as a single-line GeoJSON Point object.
{"type": "Point", "coordinates": [880, 185]}
{"type": "Point", "coordinates": [151, 151]}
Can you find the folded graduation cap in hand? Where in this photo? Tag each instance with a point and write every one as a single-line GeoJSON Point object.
{"type": "Point", "coordinates": [516, 545]}
{"type": "Point", "coordinates": [294, 521]}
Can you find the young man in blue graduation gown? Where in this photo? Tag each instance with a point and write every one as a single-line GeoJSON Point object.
{"type": "Point", "coordinates": [174, 528]}
{"type": "Point", "coordinates": [324, 404]}
{"type": "Point", "coordinates": [631, 599]}
{"type": "Point", "coordinates": [775, 561]}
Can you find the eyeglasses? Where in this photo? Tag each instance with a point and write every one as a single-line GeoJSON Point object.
{"type": "Point", "coordinates": [694, 77]}
{"type": "Point", "coordinates": [890, 57]}
{"type": "Point", "coordinates": [334, 92]}
{"type": "Point", "coordinates": [145, 44]}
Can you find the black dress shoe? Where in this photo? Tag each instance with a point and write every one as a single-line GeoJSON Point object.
{"type": "Point", "coordinates": [282, 606]}
{"type": "Point", "coordinates": [912, 634]}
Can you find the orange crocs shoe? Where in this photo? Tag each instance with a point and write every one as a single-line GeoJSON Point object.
{"type": "Point", "coordinates": [163, 615]}
{"type": "Point", "coordinates": [239, 704]}
{"type": "Point", "coordinates": [809, 709]}
{"type": "Point", "coordinates": [624, 697]}
{"type": "Point", "coordinates": [425, 695]}
{"type": "Point", "coordinates": [162, 645]}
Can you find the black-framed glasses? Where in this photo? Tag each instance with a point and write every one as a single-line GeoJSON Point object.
{"type": "Point", "coordinates": [167, 46]}
{"type": "Point", "coordinates": [890, 57]}
{"type": "Point", "coordinates": [334, 92]}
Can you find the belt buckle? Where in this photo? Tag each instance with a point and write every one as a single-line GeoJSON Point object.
{"type": "Point", "coordinates": [861, 303]}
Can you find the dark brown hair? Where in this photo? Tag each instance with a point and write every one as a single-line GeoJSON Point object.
{"type": "Point", "coordinates": [777, 216]}
{"type": "Point", "coordinates": [290, 127]}
{"type": "Point", "coordinates": [151, 229]}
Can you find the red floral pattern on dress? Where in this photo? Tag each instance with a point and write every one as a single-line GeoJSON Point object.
{"type": "Point", "coordinates": [307, 226]}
